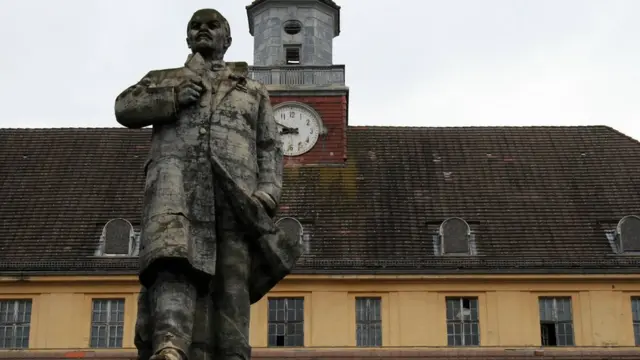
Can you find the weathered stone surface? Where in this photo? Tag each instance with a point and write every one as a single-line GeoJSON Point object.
{"type": "Point", "coordinates": [209, 246]}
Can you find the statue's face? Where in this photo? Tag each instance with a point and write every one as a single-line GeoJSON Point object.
{"type": "Point", "coordinates": [208, 32]}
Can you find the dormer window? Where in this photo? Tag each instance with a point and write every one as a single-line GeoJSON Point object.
{"type": "Point", "coordinates": [293, 228]}
{"type": "Point", "coordinates": [455, 237]}
{"type": "Point", "coordinates": [627, 237]}
{"type": "Point", "coordinates": [118, 239]}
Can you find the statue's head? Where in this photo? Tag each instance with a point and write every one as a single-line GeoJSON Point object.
{"type": "Point", "coordinates": [209, 34]}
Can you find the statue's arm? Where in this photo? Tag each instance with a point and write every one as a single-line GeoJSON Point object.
{"type": "Point", "coordinates": [269, 154]}
{"type": "Point", "coordinates": [145, 104]}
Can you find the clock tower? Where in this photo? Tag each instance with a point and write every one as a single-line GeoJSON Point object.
{"type": "Point", "coordinates": [293, 57]}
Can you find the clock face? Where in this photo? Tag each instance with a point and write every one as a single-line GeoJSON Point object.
{"type": "Point", "coordinates": [299, 128]}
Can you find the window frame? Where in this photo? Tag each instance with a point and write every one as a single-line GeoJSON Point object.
{"type": "Point", "coordinates": [635, 322]}
{"type": "Point", "coordinates": [369, 322]}
{"type": "Point", "coordinates": [443, 237]}
{"type": "Point", "coordinates": [462, 322]}
{"type": "Point", "coordinates": [620, 240]}
{"type": "Point", "coordinates": [16, 322]}
{"type": "Point", "coordinates": [384, 315]}
{"type": "Point", "coordinates": [285, 50]}
{"type": "Point", "coordinates": [572, 322]}
{"type": "Point", "coordinates": [108, 323]}
{"type": "Point", "coordinates": [304, 321]}
{"type": "Point", "coordinates": [134, 240]}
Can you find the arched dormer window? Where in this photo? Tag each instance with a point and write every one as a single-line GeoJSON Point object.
{"type": "Point", "coordinates": [293, 228]}
{"type": "Point", "coordinates": [118, 239]}
{"type": "Point", "coordinates": [455, 237]}
{"type": "Point", "coordinates": [628, 234]}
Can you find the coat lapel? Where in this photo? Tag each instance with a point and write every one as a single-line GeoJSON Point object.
{"type": "Point", "coordinates": [221, 86]}
{"type": "Point", "coordinates": [196, 63]}
{"type": "Point", "coordinates": [224, 84]}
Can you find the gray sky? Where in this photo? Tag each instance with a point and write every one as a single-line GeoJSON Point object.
{"type": "Point", "coordinates": [409, 62]}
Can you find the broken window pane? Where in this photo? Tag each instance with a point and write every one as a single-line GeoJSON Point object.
{"type": "Point", "coordinates": [556, 321]}
{"type": "Point", "coordinates": [286, 322]}
{"type": "Point", "coordinates": [463, 327]}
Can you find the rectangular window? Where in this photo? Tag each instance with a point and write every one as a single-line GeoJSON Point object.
{"type": "Point", "coordinates": [635, 311]}
{"type": "Point", "coordinates": [556, 321]}
{"type": "Point", "coordinates": [107, 323]}
{"type": "Point", "coordinates": [292, 54]}
{"type": "Point", "coordinates": [368, 321]}
{"type": "Point", "coordinates": [15, 323]}
{"type": "Point", "coordinates": [286, 322]}
{"type": "Point", "coordinates": [463, 325]}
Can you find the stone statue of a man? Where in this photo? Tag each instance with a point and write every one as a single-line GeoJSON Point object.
{"type": "Point", "coordinates": [209, 247]}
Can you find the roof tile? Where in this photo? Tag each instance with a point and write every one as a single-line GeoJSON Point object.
{"type": "Point", "coordinates": [535, 197]}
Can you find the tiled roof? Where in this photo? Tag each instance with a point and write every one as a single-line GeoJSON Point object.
{"type": "Point", "coordinates": [537, 198]}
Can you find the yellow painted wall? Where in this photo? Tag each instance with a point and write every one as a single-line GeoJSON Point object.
{"type": "Point", "coordinates": [413, 308]}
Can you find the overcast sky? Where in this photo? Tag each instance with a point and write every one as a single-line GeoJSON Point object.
{"type": "Point", "coordinates": [408, 62]}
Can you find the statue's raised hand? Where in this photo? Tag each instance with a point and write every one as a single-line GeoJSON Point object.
{"type": "Point", "coordinates": [188, 92]}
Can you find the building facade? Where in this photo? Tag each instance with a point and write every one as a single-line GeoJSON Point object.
{"type": "Point", "coordinates": [314, 313]}
{"type": "Point", "coordinates": [419, 242]}
{"type": "Point", "coordinates": [98, 312]}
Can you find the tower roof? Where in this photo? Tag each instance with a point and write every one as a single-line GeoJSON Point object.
{"type": "Point", "coordinates": [330, 3]}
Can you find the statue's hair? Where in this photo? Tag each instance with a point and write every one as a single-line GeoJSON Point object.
{"type": "Point", "coordinates": [225, 23]}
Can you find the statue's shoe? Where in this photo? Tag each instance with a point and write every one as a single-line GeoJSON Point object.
{"type": "Point", "coordinates": [167, 354]}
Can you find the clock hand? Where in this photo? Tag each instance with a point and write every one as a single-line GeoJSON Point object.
{"type": "Point", "coordinates": [287, 130]}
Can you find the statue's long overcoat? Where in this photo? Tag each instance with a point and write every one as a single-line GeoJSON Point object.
{"type": "Point", "coordinates": [233, 120]}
